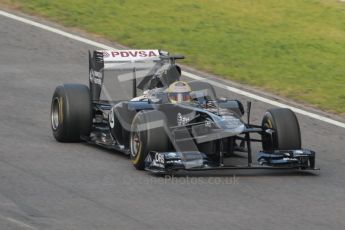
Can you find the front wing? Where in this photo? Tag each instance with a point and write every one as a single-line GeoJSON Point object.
{"type": "Point", "coordinates": [168, 162]}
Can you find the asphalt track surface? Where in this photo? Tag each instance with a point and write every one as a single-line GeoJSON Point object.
{"type": "Point", "coordinates": [48, 185]}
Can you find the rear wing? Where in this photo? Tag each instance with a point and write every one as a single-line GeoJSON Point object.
{"type": "Point", "coordinates": [100, 60]}
{"type": "Point", "coordinates": [104, 59]}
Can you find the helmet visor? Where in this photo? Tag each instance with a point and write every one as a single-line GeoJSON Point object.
{"type": "Point", "coordinates": [179, 97]}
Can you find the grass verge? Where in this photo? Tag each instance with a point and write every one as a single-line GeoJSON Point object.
{"type": "Point", "coordinates": [293, 48]}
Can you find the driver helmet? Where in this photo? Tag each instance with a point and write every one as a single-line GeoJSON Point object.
{"type": "Point", "coordinates": [179, 91]}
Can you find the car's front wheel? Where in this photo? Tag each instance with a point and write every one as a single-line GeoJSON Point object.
{"type": "Point", "coordinates": [148, 133]}
{"type": "Point", "coordinates": [282, 130]}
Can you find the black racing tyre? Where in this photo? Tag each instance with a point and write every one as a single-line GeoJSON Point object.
{"type": "Point", "coordinates": [71, 112]}
{"type": "Point", "coordinates": [286, 135]}
{"type": "Point", "coordinates": [148, 133]}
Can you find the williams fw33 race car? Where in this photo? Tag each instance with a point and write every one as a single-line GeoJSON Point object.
{"type": "Point", "coordinates": [137, 103]}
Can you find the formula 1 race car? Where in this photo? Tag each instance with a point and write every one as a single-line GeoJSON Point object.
{"type": "Point", "coordinates": [137, 104]}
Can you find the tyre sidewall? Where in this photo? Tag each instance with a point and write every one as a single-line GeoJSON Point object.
{"type": "Point", "coordinates": [60, 133]}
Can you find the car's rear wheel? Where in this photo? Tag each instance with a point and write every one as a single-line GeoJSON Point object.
{"type": "Point", "coordinates": [148, 133]}
{"type": "Point", "coordinates": [70, 112]}
{"type": "Point", "coordinates": [285, 135]}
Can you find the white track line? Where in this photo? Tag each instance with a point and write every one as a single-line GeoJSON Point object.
{"type": "Point", "coordinates": [187, 74]}
{"type": "Point", "coordinates": [18, 223]}
{"type": "Point", "coordinates": [54, 30]}
{"type": "Point", "coordinates": [268, 101]}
